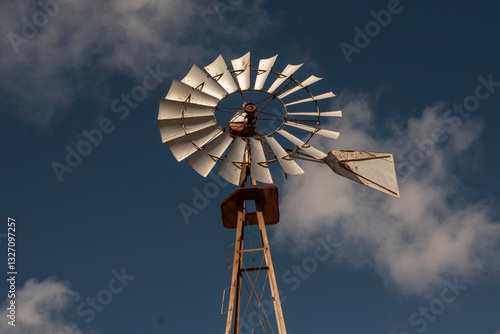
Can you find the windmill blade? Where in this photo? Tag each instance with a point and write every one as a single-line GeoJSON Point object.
{"type": "Point", "coordinates": [373, 169]}
{"type": "Point", "coordinates": [259, 168]}
{"type": "Point", "coordinates": [175, 128]}
{"type": "Point", "coordinates": [230, 169]}
{"type": "Point", "coordinates": [220, 73]}
{"type": "Point", "coordinates": [241, 67]}
{"type": "Point", "coordinates": [204, 161]}
{"type": "Point", "coordinates": [184, 146]}
{"type": "Point", "coordinates": [308, 149]}
{"type": "Point", "coordinates": [315, 98]}
{"type": "Point", "coordinates": [175, 109]}
{"type": "Point", "coordinates": [321, 132]}
{"type": "Point", "coordinates": [337, 113]}
{"type": "Point", "coordinates": [287, 72]}
{"type": "Point", "coordinates": [265, 67]}
{"type": "Point", "coordinates": [184, 93]}
{"type": "Point", "coordinates": [239, 116]}
{"type": "Point", "coordinates": [289, 166]}
{"type": "Point", "coordinates": [198, 79]}
{"type": "Point", "coordinates": [309, 81]}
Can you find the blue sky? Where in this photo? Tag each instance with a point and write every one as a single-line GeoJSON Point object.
{"type": "Point", "coordinates": [424, 84]}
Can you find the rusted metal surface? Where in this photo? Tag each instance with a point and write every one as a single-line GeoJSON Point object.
{"type": "Point", "coordinates": [265, 67]}
{"type": "Point", "coordinates": [322, 132]}
{"type": "Point", "coordinates": [181, 92]}
{"type": "Point", "coordinates": [301, 145]}
{"type": "Point", "coordinates": [220, 73]}
{"type": "Point", "coordinates": [198, 79]}
{"type": "Point", "coordinates": [205, 159]}
{"type": "Point", "coordinates": [243, 122]}
{"type": "Point", "coordinates": [278, 311]}
{"type": "Point", "coordinates": [289, 166]}
{"type": "Point", "coordinates": [235, 277]}
{"type": "Point", "coordinates": [230, 169]}
{"type": "Point", "coordinates": [184, 146]}
{"type": "Point", "coordinates": [268, 195]}
{"type": "Point", "coordinates": [259, 169]}
{"type": "Point", "coordinates": [309, 81]}
{"type": "Point", "coordinates": [373, 169]}
{"type": "Point", "coordinates": [235, 216]}
{"type": "Point", "coordinates": [241, 68]}
{"type": "Point", "coordinates": [337, 113]}
{"type": "Point", "coordinates": [311, 99]}
{"type": "Point", "coordinates": [287, 72]}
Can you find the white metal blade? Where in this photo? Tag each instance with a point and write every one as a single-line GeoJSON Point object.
{"type": "Point", "coordinates": [308, 149]}
{"type": "Point", "coordinates": [185, 146]}
{"type": "Point", "coordinates": [230, 169]}
{"type": "Point", "coordinates": [259, 168]}
{"type": "Point", "coordinates": [319, 97]}
{"type": "Point", "coordinates": [373, 169]}
{"type": "Point", "coordinates": [337, 113]}
{"type": "Point", "coordinates": [175, 128]}
{"type": "Point", "coordinates": [286, 162]}
{"type": "Point", "coordinates": [287, 72]}
{"type": "Point", "coordinates": [184, 93]}
{"type": "Point", "coordinates": [265, 67]}
{"type": "Point", "coordinates": [242, 68]}
{"type": "Point", "coordinates": [175, 109]}
{"type": "Point", "coordinates": [321, 132]}
{"type": "Point", "coordinates": [204, 161]}
{"type": "Point", "coordinates": [309, 81]}
{"type": "Point", "coordinates": [220, 73]}
{"type": "Point", "coordinates": [198, 79]}
{"type": "Point", "coordinates": [239, 117]}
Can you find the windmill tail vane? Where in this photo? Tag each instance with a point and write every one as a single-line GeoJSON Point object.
{"type": "Point", "coordinates": [189, 123]}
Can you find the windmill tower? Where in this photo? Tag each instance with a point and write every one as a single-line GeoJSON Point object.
{"type": "Point", "coordinates": [205, 115]}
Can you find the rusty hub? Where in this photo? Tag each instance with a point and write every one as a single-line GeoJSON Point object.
{"type": "Point", "coordinates": [246, 128]}
{"type": "Point", "coordinates": [250, 108]}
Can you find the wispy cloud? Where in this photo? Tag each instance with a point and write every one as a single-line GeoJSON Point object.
{"type": "Point", "coordinates": [44, 70]}
{"type": "Point", "coordinates": [415, 243]}
{"type": "Point", "coordinates": [40, 308]}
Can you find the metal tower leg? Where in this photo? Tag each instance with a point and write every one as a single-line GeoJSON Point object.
{"type": "Point", "coordinates": [235, 295]}
{"type": "Point", "coordinates": [238, 268]}
{"type": "Point", "coordinates": [272, 276]}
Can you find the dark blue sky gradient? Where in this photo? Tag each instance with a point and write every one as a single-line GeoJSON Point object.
{"type": "Point", "coordinates": [119, 207]}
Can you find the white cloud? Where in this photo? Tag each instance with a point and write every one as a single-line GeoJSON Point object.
{"type": "Point", "coordinates": [414, 243]}
{"type": "Point", "coordinates": [95, 38]}
{"type": "Point", "coordinates": [40, 307]}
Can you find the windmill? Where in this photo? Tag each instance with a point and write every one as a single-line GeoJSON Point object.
{"type": "Point", "coordinates": [219, 110]}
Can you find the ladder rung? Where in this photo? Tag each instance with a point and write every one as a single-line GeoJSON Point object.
{"type": "Point", "coordinates": [254, 269]}
{"type": "Point", "coordinates": [252, 250]}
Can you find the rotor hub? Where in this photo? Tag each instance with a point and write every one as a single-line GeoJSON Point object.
{"type": "Point", "coordinates": [250, 108]}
